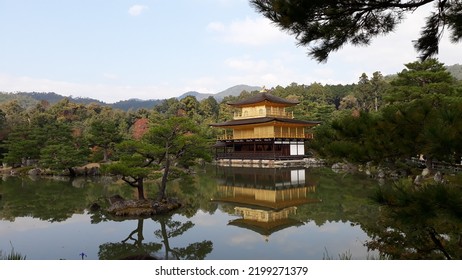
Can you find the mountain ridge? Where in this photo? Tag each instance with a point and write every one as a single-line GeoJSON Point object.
{"type": "Point", "coordinates": [233, 91]}
{"type": "Point", "coordinates": [27, 99]}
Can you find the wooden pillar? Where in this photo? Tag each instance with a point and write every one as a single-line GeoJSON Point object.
{"type": "Point", "coordinates": [274, 150]}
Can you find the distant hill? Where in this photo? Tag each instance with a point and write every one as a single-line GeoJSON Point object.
{"type": "Point", "coordinates": [52, 97]}
{"type": "Point", "coordinates": [233, 91]}
{"type": "Point", "coordinates": [199, 96]}
{"type": "Point", "coordinates": [29, 99]}
{"type": "Point", "coordinates": [456, 71]}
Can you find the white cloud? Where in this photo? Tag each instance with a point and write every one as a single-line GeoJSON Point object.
{"type": "Point", "coordinates": [136, 10]}
{"type": "Point", "coordinates": [253, 32]}
{"type": "Point", "coordinates": [249, 238]}
{"type": "Point", "coordinates": [206, 220]}
{"type": "Point", "coordinates": [23, 224]}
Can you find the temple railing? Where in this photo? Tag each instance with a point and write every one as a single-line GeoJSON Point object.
{"type": "Point", "coordinates": [257, 156]}
{"type": "Point", "coordinates": [275, 113]}
{"type": "Point", "coordinates": [261, 136]}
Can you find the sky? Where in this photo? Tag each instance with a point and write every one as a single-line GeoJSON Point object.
{"type": "Point", "coordinates": [114, 50]}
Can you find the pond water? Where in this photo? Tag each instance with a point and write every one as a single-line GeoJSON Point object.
{"type": "Point", "coordinates": [230, 213]}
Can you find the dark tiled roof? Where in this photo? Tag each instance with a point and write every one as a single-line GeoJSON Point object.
{"type": "Point", "coordinates": [263, 120]}
{"type": "Point", "coordinates": [263, 96]}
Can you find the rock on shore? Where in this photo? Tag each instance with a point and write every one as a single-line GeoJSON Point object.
{"type": "Point", "coordinates": [147, 207]}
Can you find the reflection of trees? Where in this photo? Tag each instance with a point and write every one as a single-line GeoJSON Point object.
{"type": "Point", "coordinates": [130, 247]}
{"type": "Point", "coordinates": [133, 247]}
{"type": "Point", "coordinates": [411, 224]}
{"type": "Point", "coordinates": [419, 223]}
{"type": "Point", "coordinates": [48, 200]}
{"type": "Point", "coordinates": [171, 229]}
{"type": "Point", "coordinates": [196, 191]}
{"type": "Point", "coordinates": [345, 198]}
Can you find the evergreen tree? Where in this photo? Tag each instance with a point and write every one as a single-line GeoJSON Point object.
{"type": "Point", "coordinates": [21, 144]}
{"type": "Point", "coordinates": [369, 91]}
{"type": "Point", "coordinates": [136, 163]}
{"type": "Point", "coordinates": [420, 79]}
{"type": "Point", "coordinates": [103, 133]}
{"type": "Point", "coordinates": [62, 149]}
{"type": "Point", "coordinates": [209, 108]}
{"type": "Point", "coordinates": [169, 145]}
{"type": "Point", "coordinates": [178, 141]}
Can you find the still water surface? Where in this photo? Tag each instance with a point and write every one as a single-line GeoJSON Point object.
{"type": "Point", "coordinates": [231, 213]}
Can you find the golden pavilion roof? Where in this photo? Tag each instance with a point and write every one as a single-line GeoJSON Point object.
{"type": "Point", "coordinates": [265, 120]}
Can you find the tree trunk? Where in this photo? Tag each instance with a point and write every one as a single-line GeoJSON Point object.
{"type": "Point", "coordinates": [429, 164]}
{"type": "Point", "coordinates": [71, 172]}
{"type": "Point", "coordinates": [140, 187]}
{"type": "Point", "coordinates": [163, 230]}
{"type": "Point", "coordinates": [376, 104]}
{"type": "Point", "coordinates": [139, 231]}
{"type": "Point", "coordinates": [163, 183]}
{"type": "Point", "coordinates": [105, 154]}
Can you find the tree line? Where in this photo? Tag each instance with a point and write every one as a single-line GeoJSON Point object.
{"type": "Point", "coordinates": [61, 137]}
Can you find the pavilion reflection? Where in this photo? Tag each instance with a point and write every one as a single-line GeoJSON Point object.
{"type": "Point", "coordinates": [266, 199]}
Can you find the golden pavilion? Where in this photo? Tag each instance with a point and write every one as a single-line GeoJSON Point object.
{"type": "Point", "coordinates": [263, 130]}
